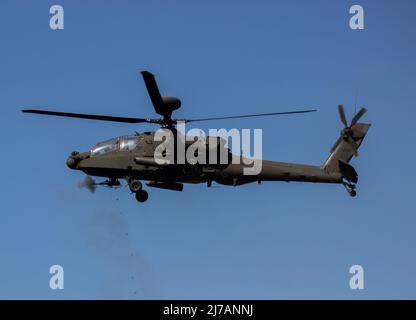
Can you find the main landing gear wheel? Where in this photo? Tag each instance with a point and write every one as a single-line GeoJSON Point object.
{"type": "Point", "coordinates": [135, 185]}
{"type": "Point", "coordinates": [142, 195]}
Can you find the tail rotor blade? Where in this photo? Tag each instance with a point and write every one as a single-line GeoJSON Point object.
{"type": "Point", "coordinates": [358, 116]}
{"type": "Point", "coordinates": [342, 115]}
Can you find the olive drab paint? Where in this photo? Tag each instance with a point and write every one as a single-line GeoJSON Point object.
{"type": "Point", "coordinates": [170, 157]}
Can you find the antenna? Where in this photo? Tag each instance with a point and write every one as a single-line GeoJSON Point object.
{"type": "Point", "coordinates": [355, 102]}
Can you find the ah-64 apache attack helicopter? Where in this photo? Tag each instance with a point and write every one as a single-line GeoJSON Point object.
{"type": "Point", "coordinates": [132, 157]}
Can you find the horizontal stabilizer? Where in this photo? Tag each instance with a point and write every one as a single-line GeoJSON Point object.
{"type": "Point", "coordinates": [348, 172]}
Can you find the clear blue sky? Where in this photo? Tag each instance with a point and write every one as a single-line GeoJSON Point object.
{"type": "Point", "coordinates": [274, 240]}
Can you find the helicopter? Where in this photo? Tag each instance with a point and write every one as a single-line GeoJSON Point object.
{"type": "Point", "coordinates": [132, 158]}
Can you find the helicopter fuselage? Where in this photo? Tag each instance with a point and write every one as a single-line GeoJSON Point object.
{"type": "Point", "coordinates": [114, 159]}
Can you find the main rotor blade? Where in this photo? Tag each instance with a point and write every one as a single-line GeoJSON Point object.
{"type": "Point", "coordinates": [358, 116]}
{"type": "Point", "coordinates": [154, 93]}
{"type": "Point", "coordinates": [91, 116]}
{"type": "Point", "coordinates": [342, 115]}
{"type": "Point", "coordinates": [249, 115]}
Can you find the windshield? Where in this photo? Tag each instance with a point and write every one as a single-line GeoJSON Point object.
{"type": "Point", "coordinates": [125, 143]}
{"type": "Point", "coordinates": [128, 143]}
{"type": "Point", "coordinates": [104, 147]}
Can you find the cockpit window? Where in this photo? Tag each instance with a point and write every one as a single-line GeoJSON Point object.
{"type": "Point", "coordinates": [129, 143]}
{"type": "Point", "coordinates": [125, 143]}
{"type": "Point", "coordinates": [104, 147]}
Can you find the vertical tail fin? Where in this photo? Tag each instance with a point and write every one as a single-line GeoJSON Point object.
{"type": "Point", "coordinates": [344, 149]}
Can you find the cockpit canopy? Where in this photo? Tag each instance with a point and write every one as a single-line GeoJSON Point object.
{"type": "Point", "coordinates": [123, 143]}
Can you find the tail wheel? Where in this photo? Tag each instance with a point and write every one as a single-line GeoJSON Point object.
{"type": "Point", "coordinates": [350, 188]}
{"type": "Point", "coordinates": [142, 195]}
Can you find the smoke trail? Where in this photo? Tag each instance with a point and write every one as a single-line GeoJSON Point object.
{"type": "Point", "coordinates": [88, 183]}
